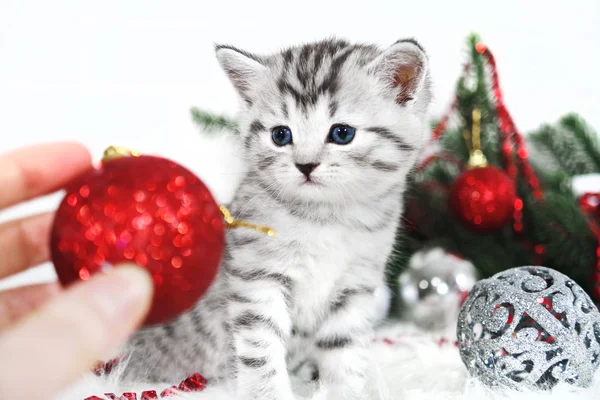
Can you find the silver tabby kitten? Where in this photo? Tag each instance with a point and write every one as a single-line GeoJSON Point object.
{"type": "Point", "coordinates": [330, 131]}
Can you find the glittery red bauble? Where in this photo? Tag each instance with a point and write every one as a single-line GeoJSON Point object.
{"type": "Point", "coordinates": [147, 210]}
{"type": "Point", "coordinates": [483, 198]}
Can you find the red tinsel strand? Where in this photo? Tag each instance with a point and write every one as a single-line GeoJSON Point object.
{"type": "Point", "coordinates": [193, 383]}
{"type": "Point", "coordinates": [528, 171]}
{"type": "Point", "coordinates": [509, 131]}
{"type": "Point", "coordinates": [518, 215]}
{"type": "Point", "coordinates": [125, 396]}
{"type": "Point", "coordinates": [442, 124]}
{"type": "Point", "coordinates": [105, 368]}
{"type": "Point", "coordinates": [501, 111]}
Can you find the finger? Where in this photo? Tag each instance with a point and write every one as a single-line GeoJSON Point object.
{"type": "Point", "coordinates": [68, 335]}
{"type": "Point", "coordinates": [16, 303]}
{"type": "Point", "coordinates": [32, 171]}
{"type": "Point", "coordinates": [24, 243]}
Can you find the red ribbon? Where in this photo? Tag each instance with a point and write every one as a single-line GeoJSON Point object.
{"type": "Point", "coordinates": [193, 383]}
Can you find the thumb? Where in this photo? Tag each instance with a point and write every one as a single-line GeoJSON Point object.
{"type": "Point", "coordinates": [68, 335]}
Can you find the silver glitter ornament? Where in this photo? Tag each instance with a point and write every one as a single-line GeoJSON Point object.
{"type": "Point", "coordinates": [530, 328]}
{"type": "Point", "coordinates": [433, 287]}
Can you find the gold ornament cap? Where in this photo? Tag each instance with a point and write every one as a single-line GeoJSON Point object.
{"type": "Point", "coordinates": [112, 152]}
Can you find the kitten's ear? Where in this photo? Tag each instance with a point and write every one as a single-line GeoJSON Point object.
{"type": "Point", "coordinates": [244, 69]}
{"type": "Point", "coordinates": [403, 67]}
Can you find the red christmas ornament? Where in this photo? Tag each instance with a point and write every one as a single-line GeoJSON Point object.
{"type": "Point", "coordinates": [483, 198]}
{"type": "Point", "coordinates": [147, 210]}
{"type": "Point", "coordinates": [590, 204]}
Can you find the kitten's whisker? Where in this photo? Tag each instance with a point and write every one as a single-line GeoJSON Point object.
{"type": "Point", "coordinates": [343, 186]}
{"type": "Point", "coordinates": [249, 202]}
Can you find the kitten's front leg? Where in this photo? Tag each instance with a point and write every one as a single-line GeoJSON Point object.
{"type": "Point", "coordinates": [260, 325]}
{"type": "Point", "coordinates": [343, 344]}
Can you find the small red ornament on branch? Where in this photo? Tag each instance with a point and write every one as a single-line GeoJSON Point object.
{"type": "Point", "coordinates": [512, 146]}
{"type": "Point", "coordinates": [483, 197]}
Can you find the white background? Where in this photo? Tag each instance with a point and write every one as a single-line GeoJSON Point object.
{"type": "Point", "coordinates": [127, 72]}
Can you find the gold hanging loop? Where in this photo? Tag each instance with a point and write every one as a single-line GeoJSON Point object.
{"type": "Point", "coordinates": [235, 223]}
{"type": "Point", "coordinates": [476, 157]}
{"type": "Point", "coordinates": [117, 152]}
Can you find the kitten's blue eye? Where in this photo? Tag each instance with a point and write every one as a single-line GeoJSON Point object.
{"type": "Point", "coordinates": [281, 135]}
{"type": "Point", "coordinates": [341, 134]}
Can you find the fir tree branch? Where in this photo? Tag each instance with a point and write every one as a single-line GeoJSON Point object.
{"type": "Point", "coordinates": [584, 135]}
{"type": "Point", "coordinates": [571, 146]}
{"type": "Point", "coordinates": [546, 141]}
{"type": "Point", "coordinates": [212, 122]}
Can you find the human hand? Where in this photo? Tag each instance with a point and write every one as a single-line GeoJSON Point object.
{"type": "Point", "coordinates": [50, 335]}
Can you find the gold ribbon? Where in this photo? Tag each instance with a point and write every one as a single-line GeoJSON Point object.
{"type": "Point", "coordinates": [236, 223]}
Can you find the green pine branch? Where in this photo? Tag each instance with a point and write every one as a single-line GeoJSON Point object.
{"type": "Point", "coordinates": [571, 145]}
{"type": "Point", "coordinates": [547, 141]}
{"type": "Point", "coordinates": [587, 139]}
{"type": "Point", "coordinates": [211, 122]}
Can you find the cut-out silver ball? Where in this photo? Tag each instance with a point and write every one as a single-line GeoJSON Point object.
{"type": "Point", "coordinates": [530, 328]}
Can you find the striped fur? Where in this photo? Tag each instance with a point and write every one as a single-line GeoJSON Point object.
{"type": "Point", "coordinates": [307, 294]}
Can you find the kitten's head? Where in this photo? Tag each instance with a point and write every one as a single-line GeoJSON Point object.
{"type": "Point", "coordinates": [331, 121]}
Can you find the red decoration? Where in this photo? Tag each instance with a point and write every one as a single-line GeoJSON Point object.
{"type": "Point", "coordinates": [590, 205]}
{"type": "Point", "coordinates": [169, 392]}
{"type": "Point", "coordinates": [147, 210]}
{"type": "Point", "coordinates": [125, 396]}
{"type": "Point", "coordinates": [483, 198]}
{"type": "Point", "coordinates": [193, 383]}
{"type": "Point", "coordinates": [105, 368]}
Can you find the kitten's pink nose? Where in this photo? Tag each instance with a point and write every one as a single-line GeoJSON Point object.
{"type": "Point", "coordinates": [306, 169]}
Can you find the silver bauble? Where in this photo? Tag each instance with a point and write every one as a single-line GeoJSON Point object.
{"type": "Point", "coordinates": [530, 328]}
{"type": "Point", "coordinates": [432, 288]}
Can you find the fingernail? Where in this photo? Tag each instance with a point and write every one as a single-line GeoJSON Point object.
{"type": "Point", "coordinates": [124, 293]}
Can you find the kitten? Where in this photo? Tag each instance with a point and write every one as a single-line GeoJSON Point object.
{"type": "Point", "coordinates": [330, 131]}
